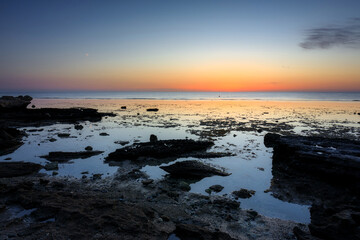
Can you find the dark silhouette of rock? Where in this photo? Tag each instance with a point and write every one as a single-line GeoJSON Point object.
{"type": "Point", "coordinates": [16, 169]}
{"type": "Point", "coordinates": [243, 193]}
{"type": "Point", "coordinates": [192, 169]}
{"type": "Point", "coordinates": [152, 109]}
{"type": "Point", "coordinates": [48, 116]}
{"type": "Point", "coordinates": [10, 140]}
{"type": "Point", "coordinates": [78, 126]}
{"type": "Point", "coordinates": [216, 188]}
{"type": "Point", "coordinates": [9, 103]}
{"type": "Point", "coordinates": [192, 231]}
{"type": "Point", "coordinates": [153, 138]}
{"type": "Point", "coordinates": [163, 149]}
{"type": "Point", "coordinates": [66, 156]}
{"type": "Point", "coordinates": [89, 148]}
{"type": "Point", "coordinates": [123, 107]}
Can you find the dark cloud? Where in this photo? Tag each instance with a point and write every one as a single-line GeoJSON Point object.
{"type": "Point", "coordinates": [347, 35]}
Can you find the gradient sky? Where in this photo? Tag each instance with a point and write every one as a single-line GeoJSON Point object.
{"type": "Point", "coordinates": [175, 45]}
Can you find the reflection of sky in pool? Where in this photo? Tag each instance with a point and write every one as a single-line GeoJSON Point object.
{"type": "Point", "coordinates": [173, 121]}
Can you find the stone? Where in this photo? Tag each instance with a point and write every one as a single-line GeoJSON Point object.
{"type": "Point", "coordinates": [153, 138]}
{"type": "Point", "coordinates": [216, 188]}
{"type": "Point", "coordinates": [51, 166]}
{"type": "Point", "coordinates": [243, 193]}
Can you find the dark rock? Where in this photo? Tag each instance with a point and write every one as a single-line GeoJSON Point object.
{"type": "Point", "coordinates": [103, 134]}
{"type": "Point", "coordinates": [216, 188]}
{"type": "Point", "coordinates": [191, 231]}
{"type": "Point", "coordinates": [192, 169]}
{"type": "Point", "coordinates": [147, 182]}
{"type": "Point", "coordinates": [224, 202]}
{"type": "Point", "coordinates": [184, 186]}
{"type": "Point", "coordinates": [163, 149]}
{"type": "Point", "coordinates": [52, 140]}
{"type": "Point", "coordinates": [243, 193]}
{"type": "Point", "coordinates": [78, 126]}
{"type": "Point", "coordinates": [152, 109]}
{"type": "Point", "coordinates": [96, 176]}
{"type": "Point", "coordinates": [33, 106]}
{"type": "Point", "coordinates": [153, 138]}
{"type": "Point", "coordinates": [10, 140]}
{"type": "Point", "coordinates": [123, 107]}
{"type": "Point", "coordinates": [48, 116]}
{"type": "Point", "coordinates": [16, 169]}
{"type": "Point", "coordinates": [9, 103]}
{"type": "Point", "coordinates": [66, 156]}
{"type": "Point", "coordinates": [51, 166]}
{"type": "Point", "coordinates": [43, 181]}
{"type": "Point", "coordinates": [89, 148]}
{"type": "Point", "coordinates": [7, 159]}
{"type": "Point", "coordinates": [122, 143]}
{"type": "Point", "coordinates": [63, 135]}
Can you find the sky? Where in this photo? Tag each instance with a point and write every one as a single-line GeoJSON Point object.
{"type": "Point", "coordinates": [180, 45]}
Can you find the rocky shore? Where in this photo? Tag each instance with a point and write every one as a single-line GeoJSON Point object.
{"type": "Point", "coordinates": [316, 171]}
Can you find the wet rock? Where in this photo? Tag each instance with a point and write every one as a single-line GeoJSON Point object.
{"type": "Point", "coordinates": [122, 143]}
{"type": "Point", "coordinates": [152, 109]}
{"type": "Point", "coordinates": [96, 176]}
{"type": "Point", "coordinates": [147, 182]}
{"type": "Point", "coordinates": [123, 107]}
{"type": "Point", "coordinates": [162, 149]}
{"type": "Point", "coordinates": [10, 140]}
{"type": "Point", "coordinates": [78, 126]}
{"type": "Point", "coordinates": [16, 169]}
{"type": "Point", "coordinates": [103, 134]}
{"type": "Point", "coordinates": [216, 188]}
{"type": "Point", "coordinates": [51, 166]}
{"type": "Point", "coordinates": [63, 135]}
{"type": "Point", "coordinates": [184, 186]}
{"type": "Point", "coordinates": [243, 193]}
{"type": "Point", "coordinates": [9, 103]}
{"type": "Point", "coordinates": [89, 148]}
{"type": "Point", "coordinates": [48, 116]}
{"type": "Point", "coordinates": [191, 231]}
{"type": "Point", "coordinates": [192, 169]}
{"type": "Point", "coordinates": [52, 140]}
{"type": "Point", "coordinates": [227, 203]}
{"type": "Point", "coordinates": [153, 138]}
{"type": "Point", "coordinates": [7, 159]}
{"type": "Point", "coordinates": [66, 156]}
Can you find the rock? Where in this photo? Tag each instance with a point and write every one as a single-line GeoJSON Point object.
{"type": "Point", "coordinates": [48, 116]}
{"type": "Point", "coordinates": [66, 156]}
{"type": "Point", "coordinates": [243, 193]}
{"type": "Point", "coordinates": [78, 126]}
{"type": "Point", "coordinates": [123, 107]}
{"type": "Point", "coordinates": [224, 202]}
{"type": "Point", "coordinates": [192, 169]}
{"type": "Point", "coordinates": [261, 169]}
{"type": "Point", "coordinates": [184, 186]}
{"type": "Point", "coordinates": [103, 134]}
{"type": "Point", "coordinates": [216, 188]}
{"type": "Point", "coordinates": [63, 135]}
{"type": "Point", "coordinates": [33, 106]}
{"type": "Point", "coordinates": [7, 159]}
{"type": "Point", "coordinates": [51, 166]}
{"type": "Point", "coordinates": [191, 231]}
{"type": "Point", "coordinates": [153, 138]}
{"type": "Point", "coordinates": [122, 143]}
{"type": "Point", "coordinates": [96, 176]}
{"type": "Point", "coordinates": [10, 140]}
{"type": "Point", "coordinates": [329, 159]}
{"type": "Point", "coordinates": [52, 140]}
{"type": "Point", "coordinates": [208, 191]}
{"type": "Point", "coordinates": [162, 149]}
{"type": "Point", "coordinates": [152, 109]}
{"type": "Point", "coordinates": [86, 172]}
{"type": "Point", "coordinates": [16, 169]}
{"type": "Point", "coordinates": [89, 148]}
{"type": "Point", "coordinates": [9, 103]}
{"type": "Point", "coordinates": [147, 182]}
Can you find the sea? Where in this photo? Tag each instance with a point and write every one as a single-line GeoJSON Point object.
{"type": "Point", "coordinates": [276, 96]}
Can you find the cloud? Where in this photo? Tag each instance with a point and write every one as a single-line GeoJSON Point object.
{"type": "Point", "coordinates": [346, 35]}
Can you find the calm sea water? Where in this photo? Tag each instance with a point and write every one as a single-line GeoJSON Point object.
{"type": "Point", "coordinates": [319, 96]}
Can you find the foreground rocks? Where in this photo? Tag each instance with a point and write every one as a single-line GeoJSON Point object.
{"type": "Point", "coordinates": [66, 156]}
{"type": "Point", "coordinates": [10, 140]}
{"type": "Point", "coordinates": [323, 173]}
{"type": "Point", "coordinates": [16, 169]}
{"type": "Point", "coordinates": [166, 150]}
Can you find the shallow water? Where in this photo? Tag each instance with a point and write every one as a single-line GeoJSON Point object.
{"type": "Point", "coordinates": [235, 126]}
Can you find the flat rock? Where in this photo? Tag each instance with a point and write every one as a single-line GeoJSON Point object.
{"type": "Point", "coordinates": [16, 169]}
{"type": "Point", "coordinates": [243, 193]}
{"type": "Point", "coordinates": [66, 156]}
{"type": "Point", "coordinates": [192, 169]}
{"type": "Point", "coordinates": [142, 152]}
